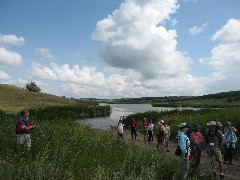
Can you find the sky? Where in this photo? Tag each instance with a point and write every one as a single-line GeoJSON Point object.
{"type": "Point", "coordinates": [121, 48]}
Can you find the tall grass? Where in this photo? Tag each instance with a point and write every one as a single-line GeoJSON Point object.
{"type": "Point", "coordinates": [66, 150]}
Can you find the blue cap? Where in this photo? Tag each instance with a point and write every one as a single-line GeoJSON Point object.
{"type": "Point", "coordinates": [196, 126]}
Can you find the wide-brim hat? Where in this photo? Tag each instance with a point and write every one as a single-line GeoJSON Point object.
{"type": "Point", "coordinates": [183, 125]}
{"type": "Point", "coordinates": [212, 123]}
{"type": "Point", "coordinates": [218, 124]}
{"type": "Point", "coordinates": [162, 121]}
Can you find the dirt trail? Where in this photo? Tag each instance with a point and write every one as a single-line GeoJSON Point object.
{"type": "Point", "coordinates": [231, 172]}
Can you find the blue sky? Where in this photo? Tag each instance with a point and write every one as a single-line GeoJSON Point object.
{"type": "Point", "coordinates": [121, 48]}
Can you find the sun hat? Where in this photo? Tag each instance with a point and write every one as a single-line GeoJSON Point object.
{"type": "Point", "coordinates": [162, 121]}
{"type": "Point", "coordinates": [183, 125]}
{"type": "Point", "coordinates": [211, 123]}
{"type": "Point", "coordinates": [196, 126]}
{"type": "Point", "coordinates": [218, 124]}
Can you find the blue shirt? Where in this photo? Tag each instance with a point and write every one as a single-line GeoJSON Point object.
{"type": "Point", "coordinates": [230, 138]}
{"type": "Point", "coordinates": [184, 143]}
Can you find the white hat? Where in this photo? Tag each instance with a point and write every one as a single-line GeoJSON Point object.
{"type": "Point", "coordinates": [184, 124]}
{"type": "Point", "coordinates": [212, 123]}
{"type": "Point", "coordinates": [162, 121]}
{"type": "Point", "coordinates": [218, 124]}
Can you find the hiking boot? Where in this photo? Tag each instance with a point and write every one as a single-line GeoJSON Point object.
{"type": "Point", "coordinates": [214, 174]}
{"type": "Point", "coordinates": [231, 163]}
{"type": "Point", "coordinates": [221, 176]}
{"type": "Point", "coordinates": [225, 162]}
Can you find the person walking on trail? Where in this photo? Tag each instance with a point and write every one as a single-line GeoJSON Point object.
{"type": "Point", "coordinates": [214, 140]}
{"type": "Point", "coordinates": [133, 124]}
{"type": "Point", "coordinates": [167, 135]}
{"type": "Point", "coordinates": [160, 134]}
{"type": "Point", "coordinates": [145, 128]}
{"type": "Point", "coordinates": [150, 131]}
{"type": "Point", "coordinates": [23, 129]}
{"type": "Point", "coordinates": [230, 140]}
{"type": "Point", "coordinates": [196, 139]}
{"type": "Point", "coordinates": [184, 145]}
{"type": "Point", "coordinates": [120, 128]}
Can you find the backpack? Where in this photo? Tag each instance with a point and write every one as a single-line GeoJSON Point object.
{"type": "Point", "coordinates": [161, 129]}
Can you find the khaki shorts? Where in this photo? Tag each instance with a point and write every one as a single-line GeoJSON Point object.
{"type": "Point", "coordinates": [214, 151]}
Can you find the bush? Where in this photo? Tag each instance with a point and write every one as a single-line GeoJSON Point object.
{"type": "Point", "coordinates": [32, 87]}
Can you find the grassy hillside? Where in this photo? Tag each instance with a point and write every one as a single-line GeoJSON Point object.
{"type": "Point", "coordinates": [14, 98]}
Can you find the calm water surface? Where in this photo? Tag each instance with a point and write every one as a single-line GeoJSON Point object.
{"type": "Point", "coordinates": [117, 111]}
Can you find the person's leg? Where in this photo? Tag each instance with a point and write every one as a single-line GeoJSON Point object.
{"type": "Point", "coordinates": [226, 154]}
{"type": "Point", "coordinates": [183, 169]}
{"type": "Point", "coordinates": [199, 152]}
{"type": "Point", "coordinates": [135, 133]}
{"type": "Point", "coordinates": [28, 141]}
{"type": "Point", "coordinates": [149, 135]}
{"type": "Point", "coordinates": [218, 157]}
{"type": "Point", "coordinates": [145, 133]}
{"type": "Point", "coordinates": [231, 153]}
{"type": "Point", "coordinates": [20, 139]}
{"type": "Point", "coordinates": [194, 156]}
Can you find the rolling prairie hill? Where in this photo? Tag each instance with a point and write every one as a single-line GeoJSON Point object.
{"type": "Point", "coordinates": [13, 98]}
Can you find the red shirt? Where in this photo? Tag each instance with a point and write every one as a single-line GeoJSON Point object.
{"type": "Point", "coordinates": [133, 123]}
{"type": "Point", "coordinates": [196, 137]}
{"type": "Point", "coordinates": [21, 126]}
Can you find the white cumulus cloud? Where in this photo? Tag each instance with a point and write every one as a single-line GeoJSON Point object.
{"type": "Point", "coordinates": [11, 40]}
{"type": "Point", "coordinates": [9, 58]}
{"type": "Point", "coordinates": [4, 75]}
{"type": "Point", "coordinates": [196, 30]}
{"type": "Point", "coordinates": [44, 53]}
{"type": "Point", "coordinates": [134, 38]}
{"type": "Point", "coordinates": [225, 56]}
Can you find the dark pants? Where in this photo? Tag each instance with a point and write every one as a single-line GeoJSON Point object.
{"type": "Point", "coordinates": [228, 153]}
{"type": "Point", "coordinates": [133, 132]}
{"type": "Point", "coordinates": [150, 135]}
{"type": "Point", "coordinates": [196, 155]}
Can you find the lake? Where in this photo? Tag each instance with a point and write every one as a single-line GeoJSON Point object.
{"type": "Point", "coordinates": [120, 110]}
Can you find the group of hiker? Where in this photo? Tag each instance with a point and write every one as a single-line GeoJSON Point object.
{"type": "Point", "coordinates": [215, 138]}
{"type": "Point", "coordinates": [189, 147]}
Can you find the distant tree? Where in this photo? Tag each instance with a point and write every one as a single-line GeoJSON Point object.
{"type": "Point", "coordinates": [32, 87]}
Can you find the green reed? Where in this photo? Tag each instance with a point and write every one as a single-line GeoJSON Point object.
{"type": "Point", "coordinates": [62, 149]}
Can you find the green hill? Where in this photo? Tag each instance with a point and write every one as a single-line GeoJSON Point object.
{"type": "Point", "coordinates": [13, 98]}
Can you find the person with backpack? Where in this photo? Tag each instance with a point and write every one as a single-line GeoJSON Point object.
{"type": "Point", "coordinates": [196, 139]}
{"type": "Point", "coordinates": [167, 135]}
{"type": "Point", "coordinates": [214, 141]}
{"type": "Point", "coordinates": [133, 125]}
{"type": "Point", "coordinates": [184, 148]}
{"type": "Point", "coordinates": [23, 129]}
{"type": "Point", "coordinates": [160, 134]}
{"type": "Point", "coordinates": [230, 140]}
